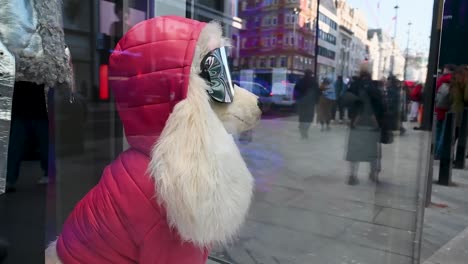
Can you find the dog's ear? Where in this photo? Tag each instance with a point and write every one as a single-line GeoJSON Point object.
{"type": "Point", "coordinates": [200, 176]}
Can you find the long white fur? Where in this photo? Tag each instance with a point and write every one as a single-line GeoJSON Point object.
{"type": "Point", "coordinates": [200, 176]}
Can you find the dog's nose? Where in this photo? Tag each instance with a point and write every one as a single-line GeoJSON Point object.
{"type": "Point", "coordinates": [259, 104]}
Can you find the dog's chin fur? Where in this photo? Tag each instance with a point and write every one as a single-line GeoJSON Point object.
{"type": "Point", "coordinates": [200, 176]}
{"type": "Point", "coordinates": [241, 115]}
{"type": "Point", "coordinates": [51, 254]}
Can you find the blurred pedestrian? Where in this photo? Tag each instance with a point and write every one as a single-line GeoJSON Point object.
{"type": "Point", "coordinates": [340, 88]}
{"type": "Point", "coordinates": [117, 29]}
{"type": "Point", "coordinates": [326, 102]}
{"type": "Point", "coordinates": [396, 101]}
{"type": "Point", "coordinates": [416, 99]}
{"type": "Point", "coordinates": [29, 120]}
{"type": "Point", "coordinates": [307, 93]}
{"type": "Point", "coordinates": [367, 108]}
{"type": "Point", "coordinates": [442, 104]}
{"type": "Point", "coordinates": [457, 90]}
{"type": "Point", "coordinates": [3, 250]}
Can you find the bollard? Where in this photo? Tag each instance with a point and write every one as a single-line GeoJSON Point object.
{"type": "Point", "coordinates": [461, 145]}
{"type": "Point", "coordinates": [446, 155]}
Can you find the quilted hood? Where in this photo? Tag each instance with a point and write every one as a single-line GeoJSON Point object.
{"type": "Point", "coordinates": [149, 73]}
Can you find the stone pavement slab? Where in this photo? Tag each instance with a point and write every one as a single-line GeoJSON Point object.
{"type": "Point", "coordinates": [304, 212]}
{"type": "Point", "coordinates": [454, 252]}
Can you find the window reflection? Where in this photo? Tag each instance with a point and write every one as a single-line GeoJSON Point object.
{"type": "Point", "coordinates": [303, 210]}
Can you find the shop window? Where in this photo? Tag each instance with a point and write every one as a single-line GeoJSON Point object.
{"type": "Point", "coordinates": [284, 62]}
{"type": "Point", "coordinates": [272, 62]}
{"type": "Point", "coordinates": [274, 21]}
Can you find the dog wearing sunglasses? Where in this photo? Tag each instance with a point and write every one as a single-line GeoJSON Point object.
{"type": "Point", "coordinates": [182, 186]}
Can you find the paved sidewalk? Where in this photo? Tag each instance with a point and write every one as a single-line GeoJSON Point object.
{"type": "Point", "coordinates": [454, 252]}
{"type": "Point", "coordinates": [304, 212]}
{"type": "Point", "coordinates": [446, 218]}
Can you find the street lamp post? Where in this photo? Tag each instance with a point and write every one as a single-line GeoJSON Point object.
{"type": "Point", "coordinates": [407, 50]}
{"type": "Point", "coordinates": [317, 28]}
{"type": "Point", "coordinates": [392, 68]}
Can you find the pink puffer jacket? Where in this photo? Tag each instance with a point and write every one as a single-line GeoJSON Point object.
{"type": "Point", "coordinates": [119, 221]}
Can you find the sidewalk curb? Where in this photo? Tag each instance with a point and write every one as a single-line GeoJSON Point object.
{"type": "Point", "coordinates": [454, 252]}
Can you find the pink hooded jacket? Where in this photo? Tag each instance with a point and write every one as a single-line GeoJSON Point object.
{"type": "Point", "coordinates": [120, 221]}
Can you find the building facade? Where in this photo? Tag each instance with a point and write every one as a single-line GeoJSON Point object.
{"type": "Point", "coordinates": [354, 46]}
{"type": "Point", "coordinates": [391, 59]}
{"type": "Point", "coordinates": [276, 35]}
{"type": "Point", "coordinates": [328, 39]}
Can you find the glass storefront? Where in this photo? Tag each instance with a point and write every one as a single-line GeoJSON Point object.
{"type": "Point", "coordinates": [329, 185]}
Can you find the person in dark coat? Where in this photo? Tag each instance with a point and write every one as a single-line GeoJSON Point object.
{"type": "Point", "coordinates": [367, 110]}
{"type": "Point", "coordinates": [29, 120]}
{"type": "Point", "coordinates": [340, 88]}
{"type": "Point", "coordinates": [307, 92]}
{"type": "Point", "coordinates": [396, 98]}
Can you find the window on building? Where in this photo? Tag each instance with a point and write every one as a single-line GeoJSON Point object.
{"type": "Point", "coordinates": [283, 62]}
{"type": "Point", "coordinates": [257, 21]}
{"type": "Point", "coordinates": [272, 62]}
{"type": "Point", "coordinates": [255, 42]}
{"type": "Point", "coordinates": [262, 63]}
{"type": "Point", "coordinates": [252, 63]}
{"type": "Point", "coordinates": [324, 52]}
{"type": "Point", "coordinates": [273, 41]}
{"type": "Point", "coordinates": [243, 5]}
{"type": "Point", "coordinates": [274, 20]}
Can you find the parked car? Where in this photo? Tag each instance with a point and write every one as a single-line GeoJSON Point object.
{"type": "Point", "coordinates": [283, 94]}
{"type": "Point", "coordinates": [259, 90]}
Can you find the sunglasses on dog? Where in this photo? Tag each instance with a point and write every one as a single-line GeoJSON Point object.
{"type": "Point", "coordinates": [215, 71]}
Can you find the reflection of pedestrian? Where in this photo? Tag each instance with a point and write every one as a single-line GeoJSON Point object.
{"type": "Point", "coordinates": [367, 110]}
{"type": "Point", "coordinates": [396, 104]}
{"type": "Point", "coordinates": [307, 92]}
{"type": "Point", "coordinates": [326, 103]}
{"type": "Point", "coordinates": [415, 98]}
{"type": "Point", "coordinates": [340, 88]}
{"type": "Point", "coordinates": [28, 120]}
{"type": "Point", "coordinates": [441, 108]}
{"type": "Point", "coordinates": [3, 250]}
{"type": "Point", "coordinates": [117, 28]}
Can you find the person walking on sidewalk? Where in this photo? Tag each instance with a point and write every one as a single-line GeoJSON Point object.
{"type": "Point", "coordinates": [326, 103]}
{"type": "Point", "coordinates": [367, 110]}
{"type": "Point", "coordinates": [458, 85]}
{"type": "Point", "coordinates": [396, 104]}
{"type": "Point", "coordinates": [442, 104]}
{"type": "Point", "coordinates": [307, 92]}
{"type": "Point", "coordinates": [340, 88]}
{"type": "Point", "coordinates": [416, 99]}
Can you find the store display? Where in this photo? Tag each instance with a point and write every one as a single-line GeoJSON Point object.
{"type": "Point", "coordinates": [183, 186]}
